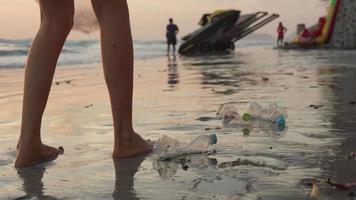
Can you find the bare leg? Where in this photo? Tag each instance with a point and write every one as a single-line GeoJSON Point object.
{"type": "Point", "coordinates": [117, 56]}
{"type": "Point", "coordinates": [168, 48]}
{"type": "Point", "coordinates": [174, 49]}
{"type": "Point", "coordinates": [56, 23]}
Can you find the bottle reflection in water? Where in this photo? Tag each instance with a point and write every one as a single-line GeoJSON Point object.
{"type": "Point", "coordinates": [168, 148]}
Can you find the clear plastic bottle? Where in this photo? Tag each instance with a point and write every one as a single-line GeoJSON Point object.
{"type": "Point", "coordinates": [255, 112]}
{"type": "Point", "coordinates": [168, 148]}
{"type": "Point", "coordinates": [254, 109]}
{"type": "Point", "coordinates": [166, 145]}
{"type": "Point", "coordinates": [271, 112]}
{"type": "Point", "coordinates": [228, 113]}
{"type": "Point", "coordinates": [242, 120]}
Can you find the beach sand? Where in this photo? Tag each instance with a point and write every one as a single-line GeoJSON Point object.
{"type": "Point", "coordinates": [179, 98]}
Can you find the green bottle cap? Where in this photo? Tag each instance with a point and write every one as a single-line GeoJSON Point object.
{"type": "Point", "coordinates": [246, 117]}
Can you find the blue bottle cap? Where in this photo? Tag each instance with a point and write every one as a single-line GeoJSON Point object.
{"type": "Point", "coordinates": [281, 121]}
{"type": "Point", "coordinates": [281, 128]}
{"type": "Point", "coordinates": [213, 139]}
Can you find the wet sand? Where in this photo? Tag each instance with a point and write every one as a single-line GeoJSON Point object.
{"type": "Point", "coordinates": [179, 98]}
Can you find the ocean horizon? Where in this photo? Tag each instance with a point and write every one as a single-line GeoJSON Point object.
{"type": "Point", "coordinates": [13, 52]}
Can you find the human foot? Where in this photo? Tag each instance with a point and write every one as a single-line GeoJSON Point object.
{"type": "Point", "coordinates": [134, 146]}
{"type": "Point", "coordinates": [36, 154]}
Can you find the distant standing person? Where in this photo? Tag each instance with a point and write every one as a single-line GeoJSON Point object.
{"type": "Point", "coordinates": [171, 34]}
{"type": "Point", "coordinates": [281, 30]}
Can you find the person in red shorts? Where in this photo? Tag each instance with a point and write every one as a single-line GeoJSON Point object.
{"type": "Point", "coordinates": [281, 30]}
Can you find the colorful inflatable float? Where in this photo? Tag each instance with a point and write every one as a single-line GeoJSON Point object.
{"type": "Point", "coordinates": [319, 34]}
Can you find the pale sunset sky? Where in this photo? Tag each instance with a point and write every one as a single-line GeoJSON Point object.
{"type": "Point", "coordinates": [20, 18]}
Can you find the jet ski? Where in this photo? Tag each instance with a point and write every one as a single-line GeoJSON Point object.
{"type": "Point", "coordinates": [221, 29]}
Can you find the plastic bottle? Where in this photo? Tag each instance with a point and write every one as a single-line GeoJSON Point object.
{"type": "Point", "coordinates": [168, 148]}
{"type": "Point", "coordinates": [166, 145]}
{"type": "Point", "coordinates": [254, 109]}
{"type": "Point", "coordinates": [255, 112]}
{"type": "Point", "coordinates": [271, 112]}
{"type": "Point", "coordinates": [244, 120]}
{"type": "Point", "coordinates": [227, 113]}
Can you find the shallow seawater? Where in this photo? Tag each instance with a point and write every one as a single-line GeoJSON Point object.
{"type": "Point", "coordinates": [179, 97]}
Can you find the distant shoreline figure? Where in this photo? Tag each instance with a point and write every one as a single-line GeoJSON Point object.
{"type": "Point", "coordinates": [171, 34]}
{"type": "Point", "coordinates": [281, 30]}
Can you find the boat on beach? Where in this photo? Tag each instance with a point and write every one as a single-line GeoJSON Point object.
{"type": "Point", "coordinates": [221, 29]}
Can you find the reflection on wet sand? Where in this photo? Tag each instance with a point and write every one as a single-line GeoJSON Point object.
{"type": "Point", "coordinates": [222, 75]}
{"type": "Point", "coordinates": [340, 93]}
{"type": "Point", "coordinates": [32, 183]}
{"type": "Point", "coordinates": [125, 170]}
{"type": "Point", "coordinates": [167, 169]}
{"type": "Point", "coordinates": [173, 73]}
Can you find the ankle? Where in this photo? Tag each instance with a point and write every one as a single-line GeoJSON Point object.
{"type": "Point", "coordinates": [29, 142]}
{"type": "Point", "coordinates": [122, 140]}
{"type": "Point", "coordinates": [126, 138]}
{"type": "Point", "coordinates": [124, 131]}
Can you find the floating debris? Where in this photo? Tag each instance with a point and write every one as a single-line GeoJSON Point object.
{"type": "Point", "coordinates": [88, 106]}
{"type": "Point", "coordinates": [64, 82]}
{"type": "Point", "coordinates": [342, 186]}
{"type": "Point", "coordinates": [352, 103]}
{"type": "Point", "coordinates": [316, 106]}
{"type": "Point", "coordinates": [265, 79]}
{"type": "Point", "coordinates": [352, 156]}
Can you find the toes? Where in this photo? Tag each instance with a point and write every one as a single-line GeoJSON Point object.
{"type": "Point", "coordinates": [50, 153]}
{"type": "Point", "coordinates": [61, 150]}
{"type": "Point", "coordinates": [37, 155]}
{"type": "Point", "coordinates": [150, 143]}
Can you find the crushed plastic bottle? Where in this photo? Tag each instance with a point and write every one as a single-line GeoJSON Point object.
{"type": "Point", "coordinates": [228, 113]}
{"type": "Point", "coordinates": [168, 148]}
{"type": "Point", "coordinates": [254, 109]}
{"type": "Point", "coordinates": [271, 112]}
{"type": "Point", "coordinates": [244, 120]}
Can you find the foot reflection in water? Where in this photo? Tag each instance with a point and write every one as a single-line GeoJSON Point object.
{"type": "Point", "coordinates": [173, 74]}
{"type": "Point", "coordinates": [125, 170]}
{"type": "Point", "coordinates": [32, 183]}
